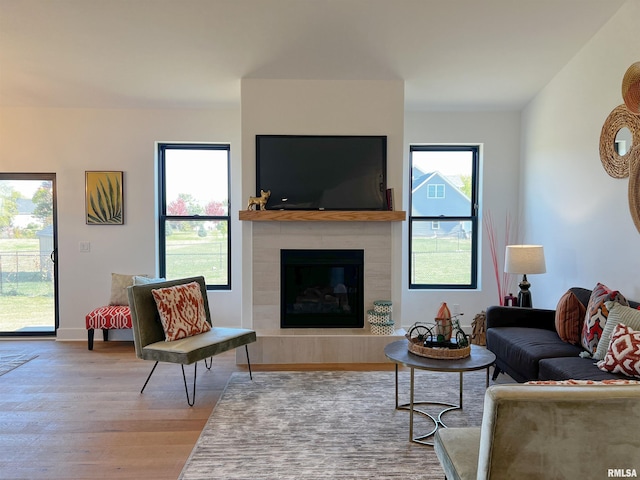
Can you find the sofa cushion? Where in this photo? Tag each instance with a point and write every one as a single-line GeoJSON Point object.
{"type": "Point", "coordinates": [596, 316]}
{"type": "Point", "coordinates": [570, 313]}
{"type": "Point", "coordinates": [623, 355]}
{"type": "Point", "coordinates": [576, 368]}
{"type": "Point", "coordinates": [181, 311]}
{"type": "Point", "coordinates": [617, 314]}
{"type": "Point", "coordinates": [522, 348]}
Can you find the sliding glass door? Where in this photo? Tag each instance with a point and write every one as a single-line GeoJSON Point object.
{"type": "Point", "coordinates": [28, 273]}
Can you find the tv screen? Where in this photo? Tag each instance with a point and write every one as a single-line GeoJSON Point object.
{"type": "Point", "coordinates": [319, 172]}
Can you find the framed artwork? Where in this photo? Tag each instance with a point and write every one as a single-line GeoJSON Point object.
{"type": "Point", "coordinates": [104, 198]}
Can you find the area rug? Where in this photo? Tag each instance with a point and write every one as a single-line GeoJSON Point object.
{"type": "Point", "coordinates": [10, 361]}
{"type": "Point", "coordinates": [326, 425]}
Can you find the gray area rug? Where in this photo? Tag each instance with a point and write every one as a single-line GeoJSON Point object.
{"type": "Point", "coordinates": [10, 361]}
{"type": "Point", "coordinates": [326, 425]}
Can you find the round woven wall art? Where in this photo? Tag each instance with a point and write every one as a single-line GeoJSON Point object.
{"type": "Point", "coordinates": [634, 194]}
{"type": "Point", "coordinates": [616, 165]}
{"type": "Point", "coordinates": [631, 88]}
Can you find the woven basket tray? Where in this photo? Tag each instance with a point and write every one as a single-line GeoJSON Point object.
{"type": "Point", "coordinates": [438, 353]}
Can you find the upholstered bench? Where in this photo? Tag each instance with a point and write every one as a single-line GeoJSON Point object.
{"type": "Point", "coordinates": [107, 318]}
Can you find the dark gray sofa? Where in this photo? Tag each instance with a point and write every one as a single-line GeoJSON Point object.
{"type": "Point", "coordinates": [527, 346]}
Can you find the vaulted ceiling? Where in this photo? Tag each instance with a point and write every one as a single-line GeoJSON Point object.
{"type": "Point", "coordinates": [452, 54]}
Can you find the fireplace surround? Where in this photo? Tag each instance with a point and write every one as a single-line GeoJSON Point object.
{"type": "Point", "coordinates": [322, 288]}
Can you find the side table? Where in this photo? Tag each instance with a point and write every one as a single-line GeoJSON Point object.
{"type": "Point", "coordinates": [398, 352]}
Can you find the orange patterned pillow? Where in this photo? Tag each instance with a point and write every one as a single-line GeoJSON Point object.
{"type": "Point", "coordinates": [181, 310]}
{"type": "Point", "coordinates": [570, 314]}
{"type": "Point", "coordinates": [623, 355]}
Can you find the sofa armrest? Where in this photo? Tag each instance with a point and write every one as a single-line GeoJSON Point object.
{"type": "Point", "coordinates": [498, 316]}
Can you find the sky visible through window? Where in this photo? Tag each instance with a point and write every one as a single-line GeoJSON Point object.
{"type": "Point", "coordinates": [447, 163]}
{"type": "Point", "coordinates": [200, 173]}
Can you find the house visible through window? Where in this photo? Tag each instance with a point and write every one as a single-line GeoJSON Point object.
{"type": "Point", "coordinates": [194, 222]}
{"type": "Point", "coordinates": [443, 229]}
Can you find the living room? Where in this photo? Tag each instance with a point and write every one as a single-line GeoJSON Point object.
{"type": "Point", "coordinates": [540, 164]}
{"type": "Point", "coordinates": [538, 161]}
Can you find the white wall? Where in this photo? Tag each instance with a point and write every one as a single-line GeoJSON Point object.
{"type": "Point", "coordinates": [68, 142]}
{"type": "Point", "coordinates": [498, 133]}
{"type": "Point", "coordinates": [571, 205]}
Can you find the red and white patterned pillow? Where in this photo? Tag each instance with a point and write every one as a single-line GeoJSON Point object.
{"type": "Point", "coordinates": [616, 381]}
{"type": "Point", "coordinates": [623, 355]}
{"type": "Point", "coordinates": [181, 310]}
{"type": "Point", "coordinates": [596, 316]}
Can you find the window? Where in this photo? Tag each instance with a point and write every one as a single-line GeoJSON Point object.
{"type": "Point", "coordinates": [435, 190]}
{"type": "Point", "coordinates": [194, 223]}
{"type": "Point", "coordinates": [443, 229]}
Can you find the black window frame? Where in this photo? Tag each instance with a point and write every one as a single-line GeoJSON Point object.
{"type": "Point", "coordinates": [163, 218]}
{"type": "Point", "coordinates": [472, 218]}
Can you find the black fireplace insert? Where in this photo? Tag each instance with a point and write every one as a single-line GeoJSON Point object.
{"type": "Point", "coordinates": [322, 288]}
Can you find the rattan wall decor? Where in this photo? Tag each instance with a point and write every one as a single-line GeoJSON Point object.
{"type": "Point", "coordinates": [631, 88]}
{"type": "Point", "coordinates": [625, 116]}
{"type": "Point", "coordinates": [616, 165]}
{"type": "Point", "coordinates": [634, 193]}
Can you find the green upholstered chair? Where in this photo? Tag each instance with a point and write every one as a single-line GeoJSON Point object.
{"type": "Point", "coordinates": [149, 336]}
{"type": "Point", "coordinates": [531, 432]}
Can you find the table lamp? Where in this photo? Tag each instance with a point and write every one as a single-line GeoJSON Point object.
{"type": "Point", "coordinates": [524, 259]}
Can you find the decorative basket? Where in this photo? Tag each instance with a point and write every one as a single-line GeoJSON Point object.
{"type": "Point", "coordinates": [382, 328]}
{"type": "Point", "coordinates": [382, 306]}
{"type": "Point", "coordinates": [443, 353]}
{"type": "Point", "coordinates": [426, 341]}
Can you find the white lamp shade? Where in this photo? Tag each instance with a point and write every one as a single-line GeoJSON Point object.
{"type": "Point", "coordinates": [524, 259]}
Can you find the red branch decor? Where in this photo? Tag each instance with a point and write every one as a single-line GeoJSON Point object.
{"type": "Point", "coordinates": [503, 279]}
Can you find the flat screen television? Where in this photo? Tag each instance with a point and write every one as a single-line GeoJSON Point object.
{"type": "Point", "coordinates": [322, 172]}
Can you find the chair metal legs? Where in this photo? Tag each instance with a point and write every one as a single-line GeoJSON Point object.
{"type": "Point", "coordinates": [192, 399]}
{"type": "Point", "coordinates": [186, 390]}
{"type": "Point", "coordinates": [246, 349]}
{"type": "Point", "coordinates": [152, 370]}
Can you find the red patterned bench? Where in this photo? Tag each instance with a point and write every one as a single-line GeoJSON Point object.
{"type": "Point", "coordinates": [107, 318]}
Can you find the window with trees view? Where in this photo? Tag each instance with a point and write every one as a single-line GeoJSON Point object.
{"type": "Point", "coordinates": [194, 222]}
{"type": "Point", "coordinates": [443, 218]}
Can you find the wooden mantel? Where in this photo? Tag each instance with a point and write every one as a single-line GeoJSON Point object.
{"type": "Point", "coordinates": [322, 215]}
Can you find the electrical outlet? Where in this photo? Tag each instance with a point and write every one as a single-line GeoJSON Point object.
{"type": "Point", "coordinates": [85, 247]}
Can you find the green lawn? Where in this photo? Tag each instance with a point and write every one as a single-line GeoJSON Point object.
{"type": "Point", "coordinates": [441, 261]}
{"type": "Point", "coordinates": [26, 290]}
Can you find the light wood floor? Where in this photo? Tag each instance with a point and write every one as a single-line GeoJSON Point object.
{"type": "Point", "coordinates": [78, 414]}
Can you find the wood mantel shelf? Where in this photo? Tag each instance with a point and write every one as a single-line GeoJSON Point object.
{"type": "Point", "coordinates": [322, 215]}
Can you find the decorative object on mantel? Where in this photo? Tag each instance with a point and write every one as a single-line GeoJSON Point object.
{"type": "Point", "coordinates": [631, 88]}
{"type": "Point", "coordinates": [625, 119]}
{"type": "Point", "coordinates": [380, 318]}
{"type": "Point", "coordinates": [104, 198]}
{"type": "Point", "coordinates": [425, 341]}
{"type": "Point", "coordinates": [260, 201]}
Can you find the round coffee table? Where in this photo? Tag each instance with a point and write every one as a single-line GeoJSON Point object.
{"type": "Point", "coordinates": [398, 352]}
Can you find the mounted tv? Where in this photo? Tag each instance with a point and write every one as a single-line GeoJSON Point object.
{"type": "Point", "coordinates": [322, 172]}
